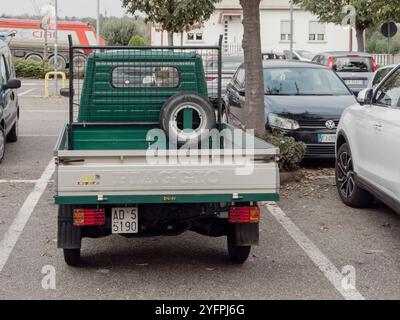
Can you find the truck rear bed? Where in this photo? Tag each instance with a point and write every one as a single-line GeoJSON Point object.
{"type": "Point", "coordinates": [127, 176]}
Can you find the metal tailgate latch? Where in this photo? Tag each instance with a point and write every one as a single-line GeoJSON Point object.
{"type": "Point", "coordinates": [100, 198]}
{"type": "Point", "coordinates": [236, 196]}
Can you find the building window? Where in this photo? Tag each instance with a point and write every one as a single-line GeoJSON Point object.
{"type": "Point", "coordinates": [195, 36]}
{"type": "Point", "coordinates": [285, 30]}
{"type": "Point", "coordinates": [316, 31]}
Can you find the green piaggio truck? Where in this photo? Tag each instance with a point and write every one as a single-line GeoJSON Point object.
{"type": "Point", "coordinates": [145, 153]}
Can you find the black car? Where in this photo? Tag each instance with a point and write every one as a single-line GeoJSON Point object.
{"type": "Point", "coordinates": [304, 100]}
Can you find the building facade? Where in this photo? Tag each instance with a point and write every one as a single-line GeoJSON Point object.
{"type": "Point", "coordinates": [309, 34]}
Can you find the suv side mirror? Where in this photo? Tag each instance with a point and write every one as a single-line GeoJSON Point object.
{"type": "Point", "coordinates": [12, 84]}
{"type": "Point", "coordinates": [242, 92]}
{"type": "Point", "coordinates": [365, 96]}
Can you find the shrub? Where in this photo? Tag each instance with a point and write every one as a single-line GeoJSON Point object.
{"type": "Point", "coordinates": [291, 151]}
{"type": "Point", "coordinates": [30, 69]}
{"type": "Point", "coordinates": [137, 41]}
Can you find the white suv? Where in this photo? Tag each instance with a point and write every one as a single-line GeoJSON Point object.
{"type": "Point", "coordinates": [368, 146]}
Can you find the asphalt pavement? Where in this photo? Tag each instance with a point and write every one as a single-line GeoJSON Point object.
{"type": "Point", "coordinates": [312, 246]}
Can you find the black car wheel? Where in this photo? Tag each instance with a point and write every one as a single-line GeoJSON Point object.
{"type": "Point", "coordinates": [13, 134]}
{"type": "Point", "coordinates": [350, 193]}
{"type": "Point", "coordinates": [237, 254]}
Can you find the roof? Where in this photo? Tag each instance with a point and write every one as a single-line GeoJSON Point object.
{"type": "Point", "coordinates": [345, 53]}
{"type": "Point", "coordinates": [292, 64]}
{"type": "Point", "coordinates": [29, 23]}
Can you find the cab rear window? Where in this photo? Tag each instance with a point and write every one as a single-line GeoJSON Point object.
{"type": "Point", "coordinates": [145, 77]}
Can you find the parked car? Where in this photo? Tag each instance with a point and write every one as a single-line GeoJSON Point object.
{"type": "Point", "coordinates": [380, 74]}
{"type": "Point", "coordinates": [229, 66]}
{"type": "Point", "coordinates": [9, 107]}
{"type": "Point", "coordinates": [355, 68]}
{"type": "Point", "coordinates": [368, 147]}
{"type": "Point", "coordinates": [299, 54]}
{"type": "Point", "coordinates": [273, 55]}
{"type": "Point", "coordinates": [302, 99]}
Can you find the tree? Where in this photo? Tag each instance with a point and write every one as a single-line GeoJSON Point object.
{"type": "Point", "coordinates": [174, 16]}
{"type": "Point", "coordinates": [118, 31]}
{"type": "Point", "coordinates": [137, 41]}
{"type": "Point", "coordinates": [254, 83]}
{"type": "Point", "coordinates": [367, 12]}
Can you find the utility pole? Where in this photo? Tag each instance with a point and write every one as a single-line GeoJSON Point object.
{"type": "Point", "coordinates": [291, 30]}
{"type": "Point", "coordinates": [56, 46]}
{"type": "Point", "coordinates": [98, 23]}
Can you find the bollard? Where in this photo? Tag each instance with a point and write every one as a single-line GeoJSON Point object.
{"type": "Point", "coordinates": [55, 74]}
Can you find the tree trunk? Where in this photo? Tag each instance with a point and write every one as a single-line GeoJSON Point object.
{"type": "Point", "coordinates": [360, 39]}
{"type": "Point", "coordinates": [254, 89]}
{"type": "Point", "coordinates": [170, 38]}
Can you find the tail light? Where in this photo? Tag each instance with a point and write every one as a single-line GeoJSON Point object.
{"type": "Point", "coordinates": [331, 62]}
{"type": "Point", "coordinates": [374, 66]}
{"type": "Point", "coordinates": [244, 214]}
{"type": "Point", "coordinates": [208, 78]}
{"type": "Point", "coordinates": [89, 217]}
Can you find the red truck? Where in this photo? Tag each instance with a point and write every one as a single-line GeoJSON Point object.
{"type": "Point", "coordinates": [29, 39]}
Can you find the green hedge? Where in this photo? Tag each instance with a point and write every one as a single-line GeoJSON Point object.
{"type": "Point", "coordinates": [291, 151]}
{"type": "Point", "coordinates": [30, 69]}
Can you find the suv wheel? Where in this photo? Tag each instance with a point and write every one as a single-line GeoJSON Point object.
{"type": "Point", "coordinates": [2, 144]}
{"type": "Point", "coordinates": [351, 194]}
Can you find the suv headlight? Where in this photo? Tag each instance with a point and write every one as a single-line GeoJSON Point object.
{"type": "Point", "coordinates": [276, 121]}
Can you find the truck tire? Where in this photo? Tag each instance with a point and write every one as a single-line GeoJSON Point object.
{"type": "Point", "coordinates": [2, 144]}
{"type": "Point", "coordinates": [72, 257]}
{"type": "Point", "coordinates": [60, 61]}
{"type": "Point", "coordinates": [172, 117]}
{"type": "Point", "coordinates": [80, 62]}
{"type": "Point", "coordinates": [13, 134]}
{"type": "Point", "coordinates": [34, 57]}
{"type": "Point", "coordinates": [351, 194]}
{"type": "Point", "coordinates": [237, 254]}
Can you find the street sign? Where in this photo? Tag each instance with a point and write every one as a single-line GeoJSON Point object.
{"type": "Point", "coordinates": [389, 29]}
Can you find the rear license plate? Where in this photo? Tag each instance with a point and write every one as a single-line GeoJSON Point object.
{"type": "Point", "coordinates": [326, 138]}
{"type": "Point", "coordinates": [355, 82]}
{"type": "Point", "coordinates": [124, 220]}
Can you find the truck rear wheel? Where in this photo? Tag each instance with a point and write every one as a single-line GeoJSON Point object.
{"type": "Point", "coordinates": [72, 257]}
{"type": "Point", "coordinates": [237, 254]}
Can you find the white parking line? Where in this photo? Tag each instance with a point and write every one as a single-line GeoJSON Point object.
{"type": "Point", "coordinates": [312, 251]}
{"type": "Point", "coordinates": [22, 181]}
{"type": "Point", "coordinates": [13, 233]}
{"type": "Point", "coordinates": [26, 92]}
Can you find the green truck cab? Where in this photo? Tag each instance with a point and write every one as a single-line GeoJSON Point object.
{"type": "Point", "coordinates": [144, 154]}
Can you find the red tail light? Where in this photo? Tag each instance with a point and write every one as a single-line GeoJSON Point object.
{"type": "Point", "coordinates": [208, 78]}
{"type": "Point", "coordinates": [89, 217]}
{"type": "Point", "coordinates": [244, 214]}
{"type": "Point", "coordinates": [331, 62]}
{"type": "Point", "coordinates": [374, 66]}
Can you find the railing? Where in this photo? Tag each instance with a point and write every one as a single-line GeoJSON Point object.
{"type": "Point", "coordinates": [386, 59]}
{"type": "Point", "coordinates": [232, 49]}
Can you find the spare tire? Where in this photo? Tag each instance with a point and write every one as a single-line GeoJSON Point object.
{"type": "Point", "coordinates": [184, 116]}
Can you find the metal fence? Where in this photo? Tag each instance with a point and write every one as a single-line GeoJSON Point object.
{"type": "Point", "coordinates": [129, 85]}
{"type": "Point", "coordinates": [386, 59]}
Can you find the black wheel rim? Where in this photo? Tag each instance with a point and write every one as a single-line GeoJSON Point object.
{"type": "Point", "coordinates": [345, 173]}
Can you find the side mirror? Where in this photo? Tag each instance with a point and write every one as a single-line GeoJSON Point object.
{"type": "Point", "coordinates": [242, 92]}
{"type": "Point", "coordinates": [64, 92]}
{"type": "Point", "coordinates": [365, 96]}
{"type": "Point", "coordinates": [12, 84]}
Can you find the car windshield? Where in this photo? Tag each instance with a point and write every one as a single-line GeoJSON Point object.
{"type": "Point", "coordinates": [353, 64]}
{"type": "Point", "coordinates": [303, 82]}
{"type": "Point", "coordinates": [305, 54]}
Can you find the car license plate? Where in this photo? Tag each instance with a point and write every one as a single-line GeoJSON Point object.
{"type": "Point", "coordinates": [124, 220]}
{"type": "Point", "coordinates": [326, 138]}
{"type": "Point", "coordinates": [355, 82]}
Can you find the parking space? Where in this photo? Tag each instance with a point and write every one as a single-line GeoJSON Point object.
{"type": "Point", "coordinates": [288, 264]}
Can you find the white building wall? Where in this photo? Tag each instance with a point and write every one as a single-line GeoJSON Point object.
{"type": "Point", "coordinates": [272, 12]}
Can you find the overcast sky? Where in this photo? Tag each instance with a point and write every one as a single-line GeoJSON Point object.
{"type": "Point", "coordinates": [78, 8]}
